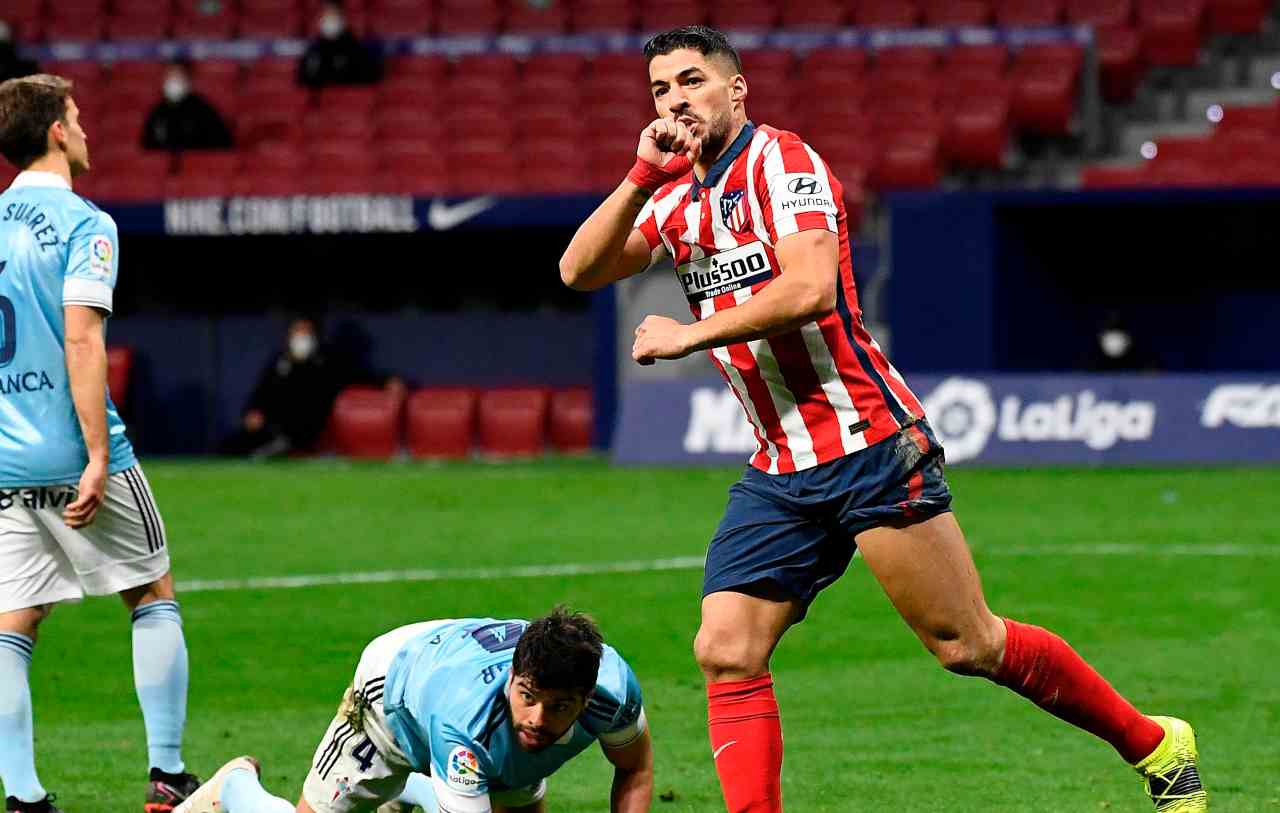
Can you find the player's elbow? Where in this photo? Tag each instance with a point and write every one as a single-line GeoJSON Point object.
{"type": "Point", "coordinates": [575, 275]}
{"type": "Point", "coordinates": [817, 301]}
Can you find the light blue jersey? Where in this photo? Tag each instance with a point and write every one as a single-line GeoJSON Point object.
{"type": "Point", "coordinates": [56, 249]}
{"type": "Point", "coordinates": [446, 704]}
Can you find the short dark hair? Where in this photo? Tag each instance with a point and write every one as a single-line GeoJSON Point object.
{"type": "Point", "coordinates": [29, 106]}
{"type": "Point", "coordinates": [701, 38]}
{"type": "Point", "coordinates": [561, 650]}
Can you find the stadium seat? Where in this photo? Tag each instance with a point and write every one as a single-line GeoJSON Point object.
{"type": "Point", "coordinates": [218, 70]}
{"type": "Point", "coordinates": [1028, 12]}
{"type": "Point", "coordinates": [1100, 13]}
{"type": "Point", "coordinates": [346, 101]}
{"type": "Point", "coordinates": [660, 15]}
{"type": "Point", "coordinates": [1171, 30]}
{"type": "Point", "coordinates": [513, 421]}
{"type": "Point", "coordinates": [190, 185]}
{"type": "Point", "coordinates": [267, 182]}
{"type": "Point", "coordinates": [1179, 172]}
{"type": "Point", "coordinates": [1120, 60]}
{"type": "Point", "coordinates": [133, 184]}
{"type": "Point", "coordinates": [737, 15]}
{"type": "Point", "coordinates": [425, 68]}
{"type": "Point", "coordinates": [148, 25]}
{"type": "Point", "coordinates": [950, 13]}
{"type": "Point", "coordinates": [340, 180]}
{"type": "Point", "coordinates": [214, 163]}
{"type": "Point", "coordinates": [974, 60]}
{"type": "Point", "coordinates": [1059, 55]}
{"type": "Point", "coordinates": [1254, 118]}
{"type": "Point", "coordinates": [832, 61]}
{"type": "Point", "coordinates": [440, 422]}
{"type": "Point", "coordinates": [84, 75]}
{"type": "Point", "coordinates": [366, 422]}
{"type": "Point", "coordinates": [410, 123]}
{"type": "Point", "coordinates": [977, 113]}
{"type": "Point", "coordinates": [23, 13]}
{"type": "Point", "coordinates": [468, 17]}
{"type": "Point", "coordinates": [1113, 177]}
{"type": "Point", "coordinates": [905, 59]}
{"type": "Point", "coordinates": [1044, 99]}
{"type": "Point", "coordinates": [528, 18]}
{"type": "Point", "coordinates": [200, 20]}
{"type": "Point", "coordinates": [551, 165]}
{"type": "Point", "coordinates": [477, 171]}
{"type": "Point", "coordinates": [817, 14]}
{"type": "Point", "coordinates": [572, 420]}
{"type": "Point", "coordinates": [66, 27]}
{"type": "Point", "coordinates": [1186, 149]}
{"type": "Point", "coordinates": [603, 15]}
{"type": "Point", "coordinates": [265, 25]}
{"type": "Point", "coordinates": [119, 374]}
{"type": "Point", "coordinates": [399, 22]}
{"type": "Point", "coordinates": [1236, 16]}
{"type": "Point", "coordinates": [886, 14]}
{"type": "Point", "coordinates": [907, 160]}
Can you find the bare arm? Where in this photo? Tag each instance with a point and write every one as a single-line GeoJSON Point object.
{"type": "Point", "coordinates": [87, 374]}
{"type": "Point", "coordinates": [607, 247]}
{"type": "Point", "coordinates": [632, 776]}
{"type": "Point", "coordinates": [803, 292]}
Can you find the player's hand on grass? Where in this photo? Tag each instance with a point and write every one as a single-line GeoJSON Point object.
{"type": "Point", "coordinates": [659, 337]}
{"type": "Point", "coordinates": [667, 151]}
{"type": "Point", "coordinates": [93, 486]}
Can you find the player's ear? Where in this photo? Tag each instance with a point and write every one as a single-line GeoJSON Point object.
{"type": "Point", "coordinates": [738, 88]}
{"type": "Point", "coordinates": [57, 135]}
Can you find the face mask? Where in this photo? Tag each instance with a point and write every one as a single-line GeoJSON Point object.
{"type": "Point", "coordinates": [302, 345]}
{"type": "Point", "coordinates": [176, 88]}
{"type": "Point", "coordinates": [331, 25]}
{"type": "Point", "coordinates": [1115, 343]}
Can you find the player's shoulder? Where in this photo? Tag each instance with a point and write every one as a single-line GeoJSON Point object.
{"type": "Point", "coordinates": [777, 139]}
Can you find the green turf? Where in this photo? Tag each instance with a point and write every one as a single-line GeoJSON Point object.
{"type": "Point", "coordinates": [872, 723]}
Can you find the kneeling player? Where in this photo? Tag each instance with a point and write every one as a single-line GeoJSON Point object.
{"type": "Point", "coordinates": [486, 709]}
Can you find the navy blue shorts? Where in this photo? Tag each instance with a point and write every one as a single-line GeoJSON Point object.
{"type": "Point", "coordinates": [797, 530]}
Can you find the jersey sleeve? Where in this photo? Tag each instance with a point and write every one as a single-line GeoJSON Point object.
{"type": "Point", "coordinates": [648, 226]}
{"type": "Point", "coordinates": [449, 800]}
{"type": "Point", "coordinates": [460, 765]}
{"type": "Point", "coordinates": [615, 711]}
{"type": "Point", "coordinates": [93, 263]}
{"type": "Point", "coordinates": [796, 191]}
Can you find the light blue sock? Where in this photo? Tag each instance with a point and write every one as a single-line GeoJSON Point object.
{"type": "Point", "coordinates": [160, 676]}
{"type": "Point", "coordinates": [418, 791]}
{"type": "Point", "coordinates": [17, 747]}
{"type": "Point", "coordinates": [242, 793]}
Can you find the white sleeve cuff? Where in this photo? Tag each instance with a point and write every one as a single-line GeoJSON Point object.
{"type": "Point", "coordinates": [449, 800]}
{"type": "Point", "coordinates": [80, 291]}
{"type": "Point", "coordinates": [626, 736]}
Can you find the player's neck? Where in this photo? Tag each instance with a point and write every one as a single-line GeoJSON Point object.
{"type": "Point", "coordinates": [55, 163]}
{"type": "Point", "coordinates": [706, 161]}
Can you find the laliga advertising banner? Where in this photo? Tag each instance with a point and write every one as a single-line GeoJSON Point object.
{"type": "Point", "coordinates": [1017, 420]}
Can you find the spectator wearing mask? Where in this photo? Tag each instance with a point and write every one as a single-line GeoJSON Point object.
{"type": "Point", "coordinates": [335, 56]}
{"type": "Point", "coordinates": [183, 119]}
{"type": "Point", "coordinates": [289, 408]}
{"type": "Point", "coordinates": [11, 65]}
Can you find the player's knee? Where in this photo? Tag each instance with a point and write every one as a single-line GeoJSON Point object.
{"type": "Point", "coordinates": [725, 654]}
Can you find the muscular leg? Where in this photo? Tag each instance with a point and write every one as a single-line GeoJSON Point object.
{"type": "Point", "coordinates": [734, 643]}
{"type": "Point", "coordinates": [928, 574]}
{"type": "Point", "coordinates": [160, 670]}
{"type": "Point", "coordinates": [17, 745]}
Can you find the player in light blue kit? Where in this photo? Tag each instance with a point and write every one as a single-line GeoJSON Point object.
{"type": "Point", "coordinates": [76, 512]}
{"type": "Point", "coordinates": [473, 715]}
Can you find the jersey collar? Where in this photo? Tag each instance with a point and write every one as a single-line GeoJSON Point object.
{"type": "Point", "coordinates": [32, 178]}
{"type": "Point", "coordinates": [723, 162]}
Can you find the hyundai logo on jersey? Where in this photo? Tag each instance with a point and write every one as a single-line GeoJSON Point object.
{"type": "Point", "coordinates": [804, 186]}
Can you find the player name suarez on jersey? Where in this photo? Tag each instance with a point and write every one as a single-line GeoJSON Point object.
{"type": "Point", "coordinates": [725, 272]}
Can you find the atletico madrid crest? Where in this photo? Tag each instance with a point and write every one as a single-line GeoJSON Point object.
{"type": "Point", "coordinates": [733, 210]}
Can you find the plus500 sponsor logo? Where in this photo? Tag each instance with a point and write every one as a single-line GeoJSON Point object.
{"type": "Point", "coordinates": [1248, 406]}
{"type": "Point", "coordinates": [965, 415]}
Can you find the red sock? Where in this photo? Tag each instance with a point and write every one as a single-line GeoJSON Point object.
{"type": "Point", "coordinates": [746, 743]}
{"type": "Point", "coordinates": [1043, 668]}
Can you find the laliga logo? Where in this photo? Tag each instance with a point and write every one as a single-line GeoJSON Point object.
{"type": "Point", "coordinates": [716, 423]}
{"type": "Point", "coordinates": [964, 414]}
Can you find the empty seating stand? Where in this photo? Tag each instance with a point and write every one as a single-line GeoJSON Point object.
{"type": "Point", "coordinates": [366, 422]}
{"type": "Point", "coordinates": [513, 421]}
{"type": "Point", "coordinates": [572, 420]}
{"type": "Point", "coordinates": [440, 422]}
{"type": "Point", "coordinates": [119, 374]}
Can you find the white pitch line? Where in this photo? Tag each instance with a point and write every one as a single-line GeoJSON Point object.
{"type": "Point", "coordinates": [680, 563]}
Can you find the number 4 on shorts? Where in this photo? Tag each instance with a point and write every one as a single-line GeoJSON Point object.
{"type": "Point", "coordinates": [364, 753]}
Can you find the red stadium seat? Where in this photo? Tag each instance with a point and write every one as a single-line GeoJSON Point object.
{"type": "Point", "coordinates": [1236, 16]}
{"type": "Point", "coordinates": [24, 12]}
{"type": "Point", "coordinates": [366, 422]}
{"type": "Point", "coordinates": [833, 61]}
{"type": "Point", "coordinates": [737, 15]}
{"type": "Point", "coordinates": [1113, 177]}
{"type": "Point", "coordinates": [263, 25]}
{"type": "Point", "coordinates": [421, 67]}
{"type": "Point", "coordinates": [267, 182]}
{"type": "Point", "coordinates": [74, 28]}
{"type": "Point", "coordinates": [1100, 13]}
{"type": "Point", "coordinates": [603, 15]}
{"type": "Point", "coordinates": [1028, 12]}
{"type": "Point", "coordinates": [554, 67]}
{"type": "Point", "coordinates": [660, 15]}
{"type": "Point", "coordinates": [1177, 172]}
{"type": "Point", "coordinates": [528, 18]}
{"type": "Point", "coordinates": [346, 100]}
{"type": "Point", "coordinates": [572, 420]}
{"type": "Point", "coordinates": [149, 25]}
{"type": "Point", "coordinates": [408, 123]}
{"type": "Point", "coordinates": [214, 163]}
{"type": "Point", "coordinates": [474, 171]}
{"type": "Point", "coordinates": [1258, 118]}
{"type": "Point", "coordinates": [399, 22]}
{"type": "Point", "coordinates": [149, 73]}
{"type": "Point", "coordinates": [908, 160]}
{"type": "Point", "coordinates": [513, 421]}
{"type": "Point", "coordinates": [440, 422]}
{"type": "Point", "coordinates": [85, 75]}
{"type": "Point", "coordinates": [119, 373]}
{"type": "Point", "coordinates": [1171, 30]}
{"type": "Point", "coordinates": [1044, 98]}
{"type": "Point", "coordinates": [137, 183]}
{"type": "Point", "coordinates": [552, 163]}
{"type": "Point", "coordinates": [977, 133]}
{"type": "Point", "coordinates": [189, 185]}
{"type": "Point", "coordinates": [817, 14]}
{"type": "Point", "coordinates": [340, 180]}
{"type": "Point", "coordinates": [1060, 55]}
{"type": "Point", "coordinates": [1120, 58]}
{"type": "Point", "coordinates": [948, 13]}
{"type": "Point", "coordinates": [909, 58]}
{"type": "Point", "coordinates": [204, 21]}
{"type": "Point", "coordinates": [458, 17]}
{"type": "Point", "coordinates": [886, 14]}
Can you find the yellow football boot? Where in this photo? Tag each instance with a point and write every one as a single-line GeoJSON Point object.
{"type": "Point", "coordinates": [1171, 772]}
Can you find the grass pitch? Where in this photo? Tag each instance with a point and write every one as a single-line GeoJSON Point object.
{"type": "Point", "coordinates": [1168, 581]}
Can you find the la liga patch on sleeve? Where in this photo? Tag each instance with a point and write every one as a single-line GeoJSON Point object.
{"type": "Point", "coordinates": [101, 251]}
{"type": "Point", "coordinates": [464, 769]}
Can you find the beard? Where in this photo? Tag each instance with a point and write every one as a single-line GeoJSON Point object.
{"type": "Point", "coordinates": [719, 128]}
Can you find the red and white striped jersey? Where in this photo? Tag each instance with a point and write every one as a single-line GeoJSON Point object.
{"type": "Point", "coordinates": [813, 394]}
